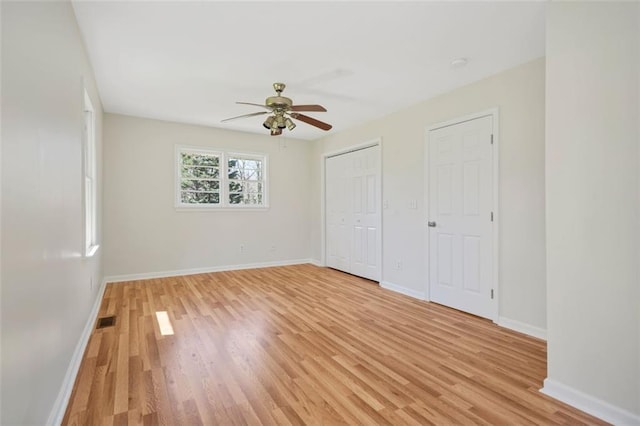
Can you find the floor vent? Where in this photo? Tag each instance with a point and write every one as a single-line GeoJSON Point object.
{"type": "Point", "coordinates": [106, 321]}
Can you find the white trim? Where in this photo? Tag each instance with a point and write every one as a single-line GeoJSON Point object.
{"type": "Point", "coordinates": [496, 208]}
{"type": "Point", "coordinates": [352, 148]}
{"type": "Point", "coordinates": [323, 216]}
{"type": "Point", "coordinates": [495, 114]}
{"type": "Point", "coordinates": [323, 226]}
{"type": "Point", "coordinates": [60, 405]}
{"type": "Point", "coordinates": [193, 271]}
{"type": "Point", "coordinates": [200, 208]}
{"type": "Point", "coordinates": [420, 295]}
{"type": "Point", "coordinates": [316, 262]}
{"type": "Point", "coordinates": [425, 234]}
{"type": "Point", "coordinates": [522, 327]}
{"type": "Point", "coordinates": [462, 119]}
{"type": "Point", "coordinates": [589, 404]}
{"type": "Point", "coordinates": [89, 175]}
{"type": "Point", "coordinates": [91, 251]}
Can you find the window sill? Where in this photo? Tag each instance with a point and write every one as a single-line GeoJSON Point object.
{"type": "Point", "coordinates": [91, 251]}
{"type": "Point", "coordinates": [221, 209]}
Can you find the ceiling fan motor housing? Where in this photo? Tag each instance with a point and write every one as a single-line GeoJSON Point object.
{"type": "Point", "coordinates": [278, 102]}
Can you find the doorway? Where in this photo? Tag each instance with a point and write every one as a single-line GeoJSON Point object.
{"type": "Point", "coordinates": [461, 167]}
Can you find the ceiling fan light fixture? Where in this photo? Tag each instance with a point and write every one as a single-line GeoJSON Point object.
{"type": "Point", "coordinates": [289, 123]}
{"type": "Point", "coordinates": [268, 123]}
{"type": "Point", "coordinates": [280, 122]}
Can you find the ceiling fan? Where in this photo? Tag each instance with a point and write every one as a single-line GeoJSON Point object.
{"type": "Point", "coordinates": [282, 110]}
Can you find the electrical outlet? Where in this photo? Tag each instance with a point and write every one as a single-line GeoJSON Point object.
{"type": "Point", "coordinates": [273, 248]}
{"type": "Point", "coordinates": [241, 248]}
{"type": "Point", "coordinates": [399, 264]}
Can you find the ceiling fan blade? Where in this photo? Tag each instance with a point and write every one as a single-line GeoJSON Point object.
{"type": "Point", "coordinates": [317, 108]}
{"type": "Point", "coordinates": [258, 105]}
{"type": "Point", "coordinates": [246, 115]}
{"type": "Point", "coordinates": [276, 132]}
{"type": "Point", "coordinates": [317, 123]}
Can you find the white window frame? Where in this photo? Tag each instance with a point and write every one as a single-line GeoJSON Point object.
{"type": "Point", "coordinates": [224, 156]}
{"type": "Point", "coordinates": [89, 182]}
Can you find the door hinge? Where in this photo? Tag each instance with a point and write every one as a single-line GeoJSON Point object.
{"type": "Point", "coordinates": [491, 138]}
{"type": "Point", "coordinates": [491, 216]}
{"type": "Point", "coordinates": [492, 293]}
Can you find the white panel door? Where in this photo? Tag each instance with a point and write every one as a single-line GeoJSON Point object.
{"type": "Point", "coordinates": [338, 218]}
{"type": "Point", "coordinates": [352, 209]}
{"type": "Point", "coordinates": [460, 218]}
{"type": "Point", "coordinates": [365, 199]}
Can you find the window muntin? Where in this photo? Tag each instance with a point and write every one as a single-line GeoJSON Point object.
{"type": "Point", "coordinates": [208, 179]}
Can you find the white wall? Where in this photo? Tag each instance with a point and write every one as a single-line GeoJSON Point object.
{"type": "Point", "coordinates": [145, 234]}
{"type": "Point", "coordinates": [519, 94]}
{"type": "Point", "coordinates": [592, 160]}
{"type": "Point", "coordinates": [46, 283]}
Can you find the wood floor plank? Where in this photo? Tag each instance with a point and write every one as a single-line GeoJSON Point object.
{"type": "Point", "coordinates": [300, 345]}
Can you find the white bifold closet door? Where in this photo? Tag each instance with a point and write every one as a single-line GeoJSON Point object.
{"type": "Point", "coordinates": [352, 211]}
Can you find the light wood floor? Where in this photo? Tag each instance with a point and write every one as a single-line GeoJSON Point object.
{"type": "Point", "coordinates": [304, 345]}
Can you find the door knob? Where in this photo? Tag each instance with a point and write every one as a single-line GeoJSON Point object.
{"type": "Point", "coordinates": [431, 224]}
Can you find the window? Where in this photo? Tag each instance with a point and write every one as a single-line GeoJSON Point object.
{"type": "Point", "coordinates": [90, 184]}
{"type": "Point", "coordinates": [213, 178]}
{"type": "Point", "coordinates": [199, 177]}
{"type": "Point", "coordinates": [246, 180]}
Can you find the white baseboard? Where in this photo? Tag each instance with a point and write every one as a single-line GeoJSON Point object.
{"type": "Point", "coordinates": [522, 327]}
{"type": "Point", "coordinates": [316, 262]}
{"type": "Point", "coordinates": [179, 272]}
{"type": "Point", "coordinates": [60, 405]}
{"type": "Point", "coordinates": [420, 295]}
{"type": "Point", "coordinates": [589, 404]}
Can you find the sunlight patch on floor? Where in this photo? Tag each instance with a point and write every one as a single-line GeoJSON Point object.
{"type": "Point", "coordinates": [166, 329]}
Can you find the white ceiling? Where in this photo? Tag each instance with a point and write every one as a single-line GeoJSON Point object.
{"type": "Point", "coordinates": [191, 61]}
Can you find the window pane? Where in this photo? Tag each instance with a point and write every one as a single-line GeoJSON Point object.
{"type": "Point", "coordinates": [252, 164]}
{"type": "Point", "coordinates": [235, 187]}
{"type": "Point", "coordinates": [200, 185]}
{"type": "Point", "coordinates": [248, 193]}
{"type": "Point", "coordinates": [235, 198]}
{"type": "Point", "coordinates": [243, 163]}
{"type": "Point", "coordinates": [253, 199]}
{"type": "Point", "coordinates": [200, 172]}
{"type": "Point", "coordinates": [188, 197]}
{"type": "Point", "coordinates": [245, 174]}
{"type": "Point", "coordinates": [192, 159]}
{"type": "Point", "coordinates": [240, 164]}
{"type": "Point", "coordinates": [253, 187]}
